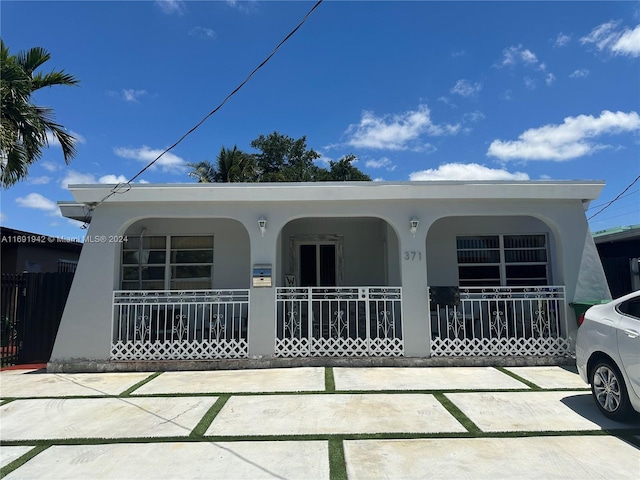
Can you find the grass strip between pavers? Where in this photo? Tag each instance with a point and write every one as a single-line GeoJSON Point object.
{"type": "Point", "coordinates": [325, 437]}
{"type": "Point", "coordinates": [457, 413]}
{"type": "Point", "coordinates": [18, 462]}
{"type": "Point", "coordinates": [202, 426]}
{"type": "Point", "coordinates": [329, 381]}
{"type": "Point", "coordinates": [519, 378]}
{"type": "Point", "coordinates": [337, 463]}
{"type": "Point", "coordinates": [133, 388]}
{"type": "Point", "coordinates": [4, 401]}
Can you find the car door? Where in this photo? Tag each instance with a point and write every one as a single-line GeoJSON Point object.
{"type": "Point", "coordinates": [628, 335]}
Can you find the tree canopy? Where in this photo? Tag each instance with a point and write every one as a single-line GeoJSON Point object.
{"type": "Point", "coordinates": [279, 158]}
{"type": "Point", "coordinates": [24, 126]}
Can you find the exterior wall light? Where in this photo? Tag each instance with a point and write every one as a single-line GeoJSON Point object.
{"type": "Point", "coordinates": [413, 225]}
{"type": "Point", "coordinates": [262, 225]}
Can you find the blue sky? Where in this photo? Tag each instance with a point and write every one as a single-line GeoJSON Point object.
{"type": "Point", "coordinates": [416, 90]}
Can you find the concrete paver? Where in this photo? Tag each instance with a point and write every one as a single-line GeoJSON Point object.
{"type": "Point", "coordinates": [534, 411]}
{"type": "Point", "coordinates": [550, 377]}
{"type": "Point", "coordinates": [340, 413]}
{"type": "Point", "coordinates": [101, 417]}
{"type": "Point", "coordinates": [229, 381]}
{"type": "Point", "coordinates": [9, 454]}
{"type": "Point", "coordinates": [583, 457]}
{"type": "Point", "coordinates": [201, 460]}
{"type": "Point", "coordinates": [436, 378]}
{"type": "Point", "coordinates": [43, 384]}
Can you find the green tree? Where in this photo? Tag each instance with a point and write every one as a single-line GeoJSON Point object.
{"type": "Point", "coordinates": [283, 159]}
{"type": "Point", "coordinates": [23, 125]}
{"type": "Point", "coordinates": [232, 165]}
{"type": "Point", "coordinates": [344, 171]}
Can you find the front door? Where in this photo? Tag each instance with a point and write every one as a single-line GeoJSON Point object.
{"type": "Point", "coordinates": [317, 265]}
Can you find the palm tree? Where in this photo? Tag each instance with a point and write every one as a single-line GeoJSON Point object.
{"type": "Point", "coordinates": [24, 126]}
{"type": "Point", "coordinates": [203, 171]}
{"type": "Point", "coordinates": [233, 165]}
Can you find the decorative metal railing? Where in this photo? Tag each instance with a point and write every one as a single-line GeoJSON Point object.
{"type": "Point", "coordinates": [498, 321]}
{"type": "Point", "coordinates": [184, 325]}
{"type": "Point", "coordinates": [339, 321]}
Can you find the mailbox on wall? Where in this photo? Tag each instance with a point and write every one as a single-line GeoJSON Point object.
{"type": "Point", "coordinates": [262, 275]}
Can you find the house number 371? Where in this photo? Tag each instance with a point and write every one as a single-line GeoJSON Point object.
{"type": "Point", "coordinates": [413, 256]}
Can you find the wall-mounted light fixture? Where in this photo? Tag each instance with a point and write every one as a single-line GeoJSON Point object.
{"type": "Point", "coordinates": [262, 225]}
{"type": "Point", "coordinates": [413, 225]}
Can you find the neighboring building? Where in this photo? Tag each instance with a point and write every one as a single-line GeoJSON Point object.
{"type": "Point", "coordinates": [619, 250]}
{"type": "Point", "coordinates": [184, 272]}
{"type": "Point", "coordinates": [26, 252]}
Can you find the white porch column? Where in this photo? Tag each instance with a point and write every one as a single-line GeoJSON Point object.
{"type": "Point", "coordinates": [262, 324]}
{"type": "Point", "coordinates": [415, 305]}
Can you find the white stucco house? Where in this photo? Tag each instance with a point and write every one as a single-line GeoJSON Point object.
{"type": "Point", "coordinates": [212, 275]}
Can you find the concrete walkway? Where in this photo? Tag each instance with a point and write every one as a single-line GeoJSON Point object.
{"type": "Point", "coordinates": [311, 423]}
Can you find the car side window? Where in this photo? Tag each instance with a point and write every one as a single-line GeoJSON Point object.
{"type": "Point", "coordinates": [631, 308]}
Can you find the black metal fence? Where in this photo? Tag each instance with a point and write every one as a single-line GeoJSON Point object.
{"type": "Point", "coordinates": [31, 307]}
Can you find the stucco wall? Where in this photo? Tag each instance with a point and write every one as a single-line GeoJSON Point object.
{"type": "Point", "coordinates": [231, 268]}
{"type": "Point", "coordinates": [364, 243]}
{"type": "Point", "coordinates": [442, 261]}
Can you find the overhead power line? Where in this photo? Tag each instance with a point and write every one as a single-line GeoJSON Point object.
{"type": "Point", "coordinates": [125, 187]}
{"type": "Point", "coordinates": [607, 205]}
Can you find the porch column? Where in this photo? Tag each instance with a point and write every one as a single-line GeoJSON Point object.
{"type": "Point", "coordinates": [262, 324]}
{"type": "Point", "coordinates": [415, 303]}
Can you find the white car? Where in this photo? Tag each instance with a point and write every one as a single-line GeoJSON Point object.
{"type": "Point", "coordinates": [608, 355]}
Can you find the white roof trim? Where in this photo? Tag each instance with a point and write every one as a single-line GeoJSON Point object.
{"type": "Point", "coordinates": [339, 191]}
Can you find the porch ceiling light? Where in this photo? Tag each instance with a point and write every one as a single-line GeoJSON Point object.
{"type": "Point", "coordinates": [262, 225]}
{"type": "Point", "coordinates": [413, 225]}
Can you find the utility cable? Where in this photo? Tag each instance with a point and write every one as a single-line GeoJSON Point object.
{"type": "Point", "coordinates": [617, 198]}
{"type": "Point", "coordinates": [125, 187]}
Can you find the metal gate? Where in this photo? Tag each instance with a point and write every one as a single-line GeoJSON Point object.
{"type": "Point", "coordinates": [31, 307]}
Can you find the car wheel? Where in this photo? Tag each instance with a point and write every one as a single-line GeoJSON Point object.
{"type": "Point", "coordinates": [609, 390]}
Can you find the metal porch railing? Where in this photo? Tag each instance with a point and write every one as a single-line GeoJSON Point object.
{"type": "Point", "coordinates": [339, 321]}
{"type": "Point", "coordinates": [185, 325]}
{"type": "Point", "coordinates": [498, 321]}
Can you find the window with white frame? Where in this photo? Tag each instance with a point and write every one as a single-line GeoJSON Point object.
{"type": "Point", "coordinates": [167, 263]}
{"type": "Point", "coordinates": [502, 260]}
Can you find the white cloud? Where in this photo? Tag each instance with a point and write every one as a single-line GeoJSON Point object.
{"type": "Point", "coordinates": [474, 116]}
{"type": "Point", "coordinates": [171, 6]}
{"type": "Point", "coordinates": [129, 94]}
{"type": "Point", "coordinates": [507, 95]}
{"type": "Point", "coordinates": [42, 180]}
{"type": "Point", "coordinates": [466, 171]}
{"type": "Point", "coordinates": [78, 178]}
{"type": "Point", "coordinates": [579, 73]}
{"type": "Point", "coordinates": [3, 217]}
{"type": "Point", "coordinates": [516, 54]}
{"type": "Point", "coordinates": [530, 83]}
{"type": "Point", "coordinates": [49, 166]}
{"type": "Point", "coordinates": [566, 141]}
{"type": "Point", "coordinates": [562, 40]}
{"type": "Point", "coordinates": [466, 88]}
{"type": "Point", "coordinates": [74, 178]}
{"type": "Point", "coordinates": [397, 131]}
{"type": "Point", "coordinates": [37, 201]}
{"type": "Point", "coordinates": [383, 162]}
{"type": "Point", "coordinates": [203, 33]}
{"type": "Point", "coordinates": [113, 179]}
{"type": "Point", "coordinates": [169, 162]}
{"type": "Point", "coordinates": [628, 43]}
{"type": "Point", "coordinates": [132, 95]}
{"type": "Point", "coordinates": [245, 6]}
{"type": "Point", "coordinates": [609, 37]}
{"type": "Point", "coordinates": [550, 78]}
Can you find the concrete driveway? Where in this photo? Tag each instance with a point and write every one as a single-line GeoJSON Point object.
{"type": "Point", "coordinates": [311, 423]}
